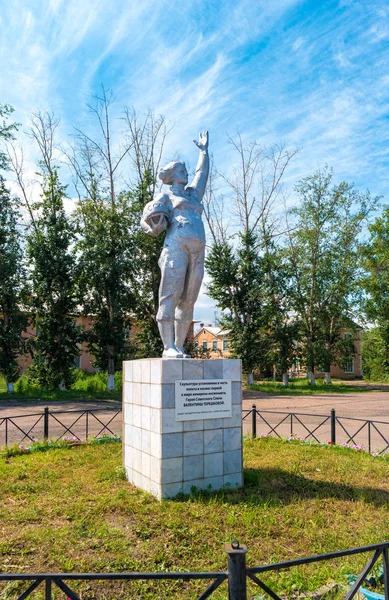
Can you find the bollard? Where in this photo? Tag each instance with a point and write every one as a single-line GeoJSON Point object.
{"type": "Point", "coordinates": [254, 421]}
{"type": "Point", "coordinates": [333, 425]}
{"type": "Point", "coordinates": [46, 423]}
{"type": "Point", "coordinates": [237, 588]}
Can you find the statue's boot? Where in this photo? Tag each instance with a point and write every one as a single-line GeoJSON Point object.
{"type": "Point", "coordinates": [181, 331]}
{"type": "Point", "coordinates": [166, 330]}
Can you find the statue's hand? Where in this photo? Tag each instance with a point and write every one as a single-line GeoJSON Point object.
{"type": "Point", "coordinates": [202, 144]}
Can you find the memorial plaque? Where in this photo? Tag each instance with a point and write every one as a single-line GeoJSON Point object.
{"type": "Point", "coordinates": [203, 399]}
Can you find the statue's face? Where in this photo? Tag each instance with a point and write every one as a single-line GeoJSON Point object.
{"type": "Point", "coordinates": [181, 174]}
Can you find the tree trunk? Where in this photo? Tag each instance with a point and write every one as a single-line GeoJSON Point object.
{"type": "Point", "coordinates": [274, 373]}
{"type": "Point", "coordinates": [311, 378]}
{"type": "Point", "coordinates": [250, 378]}
{"type": "Point", "coordinates": [285, 379]}
{"type": "Point", "coordinates": [327, 377]}
{"type": "Point", "coordinates": [111, 375]}
{"type": "Point", "coordinates": [10, 387]}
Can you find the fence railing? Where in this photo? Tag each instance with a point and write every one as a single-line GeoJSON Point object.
{"type": "Point", "coordinates": [79, 424]}
{"type": "Point", "coordinates": [372, 436]}
{"type": "Point", "coordinates": [236, 574]}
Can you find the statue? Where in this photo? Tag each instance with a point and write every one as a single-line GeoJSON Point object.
{"type": "Point", "coordinates": [182, 258]}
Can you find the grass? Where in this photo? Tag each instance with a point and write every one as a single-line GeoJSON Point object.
{"type": "Point", "coordinates": [72, 510]}
{"type": "Point", "coordinates": [86, 386]}
{"type": "Point", "coordinates": [301, 387]}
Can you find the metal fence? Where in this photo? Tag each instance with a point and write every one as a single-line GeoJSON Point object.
{"type": "Point", "coordinates": [78, 424]}
{"type": "Point", "coordinates": [361, 434]}
{"type": "Point", "coordinates": [236, 574]}
{"type": "Point", "coordinates": [369, 435]}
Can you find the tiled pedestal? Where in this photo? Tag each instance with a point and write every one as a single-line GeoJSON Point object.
{"type": "Point", "coordinates": [164, 456]}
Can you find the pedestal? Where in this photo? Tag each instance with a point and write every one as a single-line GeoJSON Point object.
{"type": "Point", "coordinates": [166, 456]}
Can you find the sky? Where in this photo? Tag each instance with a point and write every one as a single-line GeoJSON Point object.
{"type": "Point", "coordinates": [313, 75]}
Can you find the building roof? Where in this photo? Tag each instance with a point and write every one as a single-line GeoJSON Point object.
{"type": "Point", "coordinates": [216, 331]}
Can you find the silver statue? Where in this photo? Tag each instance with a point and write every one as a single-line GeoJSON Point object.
{"type": "Point", "coordinates": [182, 258]}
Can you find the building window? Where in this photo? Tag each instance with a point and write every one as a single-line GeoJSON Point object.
{"type": "Point", "coordinates": [349, 366]}
{"type": "Point", "coordinates": [214, 345]}
{"type": "Point", "coordinates": [225, 344]}
{"type": "Point", "coordinates": [76, 362]}
{"type": "Point", "coordinates": [205, 345]}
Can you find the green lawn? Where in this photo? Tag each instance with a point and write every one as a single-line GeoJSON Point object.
{"type": "Point", "coordinates": [298, 387]}
{"type": "Point", "coordinates": [72, 510]}
{"type": "Point", "coordinates": [86, 387]}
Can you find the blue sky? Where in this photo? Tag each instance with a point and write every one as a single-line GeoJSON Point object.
{"type": "Point", "coordinates": [314, 75]}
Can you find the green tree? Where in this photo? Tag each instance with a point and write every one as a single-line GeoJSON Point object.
{"type": "Point", "coordinates": [375, 355]}
{"type": "Point", "coordinates": [13, 318]}
{"type": "Point", "coordinates": [323, 252]}
{"type": "Point", "coordinates": [54, 292]}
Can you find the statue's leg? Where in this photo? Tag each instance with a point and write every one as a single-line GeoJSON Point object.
{"type": "Point", "coordinates": [171, 288]}
{"type": "Point", "coordinates": [185, 306]}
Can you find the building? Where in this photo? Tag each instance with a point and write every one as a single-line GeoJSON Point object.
{"type": "Point", "coordinates": [213, 339]}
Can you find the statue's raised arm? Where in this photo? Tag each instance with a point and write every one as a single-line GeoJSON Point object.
{"type": "Point", "coordinates": [202, 170]}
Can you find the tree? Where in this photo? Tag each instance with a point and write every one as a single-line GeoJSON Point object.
{"type": "Point", "coordinates": [52, 270]}
{"type": "Point", "coordinates": [375, 355]}
{"type": "Point", "coordinates": [323, 253]}
{"type": "Point", "coordinates": [242, 263]}
{"type": "Point", "coordinates": [13, 318]}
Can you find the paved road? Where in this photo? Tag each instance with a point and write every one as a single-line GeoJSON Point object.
{"type": "Point", "coordinates": [372, 405]}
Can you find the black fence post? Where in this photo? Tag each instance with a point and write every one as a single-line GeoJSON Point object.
{"type": "Point", "coordinates": [48, 589]}
{"type": "Point", "coordinates": [254, 421]}
{"type": "Point", "coordinates": [333, 427]}
{"type": "Point", "coordinates": [46, 423]}
{"type": "Point", "coordinates": [385, 561]}
{"type": "Point", "coordinates": [237, 587]}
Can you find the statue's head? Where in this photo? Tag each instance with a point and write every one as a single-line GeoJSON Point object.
{"type": "Point", "coordinates": [174, 172]}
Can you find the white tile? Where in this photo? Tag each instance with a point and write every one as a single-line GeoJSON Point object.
{"type": "Point", "coordinates": [127, 392]}
{"type": "Point", "coordinates": [155, 420]}
{"type": "Point", "coordinates": [137, 438]}
{"type": "Point", "coordinates": [189, 486]}
{"type": "Point", "coordinates": [171, 370]}
{"type": "Point", "coordinates": [129, 474]}
{"type": "Point", "coordinates": [232, 438]}
{"type": "Point", "coordinates": [137, 478]}
{"type": "Point", "coordinates": [194, 425]}
{"type": "Point", "coordinates": [236, 419]}
{"type": "Point", "coordinates": [171, 469]}
{"type": "Point", "coordinates": [193, 467]}
{"type": "Point", "coordinates": [127, 414]}
{"type": "Point", "coordinates": [146, 465]}
{"type": "Point", "coordinates": [169, 423]}
{"type": "Point", "coordinates": [169, 490]}
{"type": "Point", "coordinates": [232, 369]}
{"type": "Point", "coordinates": [137, 460]}
{"type": "Point", "coordinates": [232, 461]}
{"type": "Point", "coordinates": [193, 443]}
{"type": "Point", "coordinates": [213, 423]}
{"type": "Point", "coordinates": [236, 392]}
{"type": "Point", "coordinates": [146, 417]}
{"type": "Point", "coordinates": [213, 441]}
{"type": "Point", "coordinates": [127, 434]}
{"type": "Point", "coordinates": [146, 441]}
{"type": "Point", "coordinates": [213, 369]}
{"type": "Point", "coordinates": [137, 371]}
{"type": "Point", "coordinates": [137, 393]}
{"type": "Point", "coordinates": [171, 445]}
{"type": "Point", "coordinates": [145, 370]}
{"type": "Point", "coordinates": [127, 370]}
{"type": "Point", "coordinates": [168, 395]}
{"type": "Point", "coordinates": [146, 483]}
{"type": "Point", "coordinates": [137, 415]}
{"type": "Point", "coordinates": [155, 469]}
{"type": "Point", "coordinates": [155, 395]}
{"type": "Point", "coordinates": [146, 387]}
{"type": "Point", "coordinates": [156, 370]}
{"type": "Point", "coordinates": [193, 369]}
{"type": "Point", "coordinates": [213, 464]}
{"type": "Point", "coordinates": [156, 445]}
{"type": "Point", "coordinates": [233, 480]}
{"type": "Point", "coordinates": [155, 489]}
{"type": "Point", "coordinates": [213, 483]}
{"type": "Point", "coordinates": [127, 456]}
